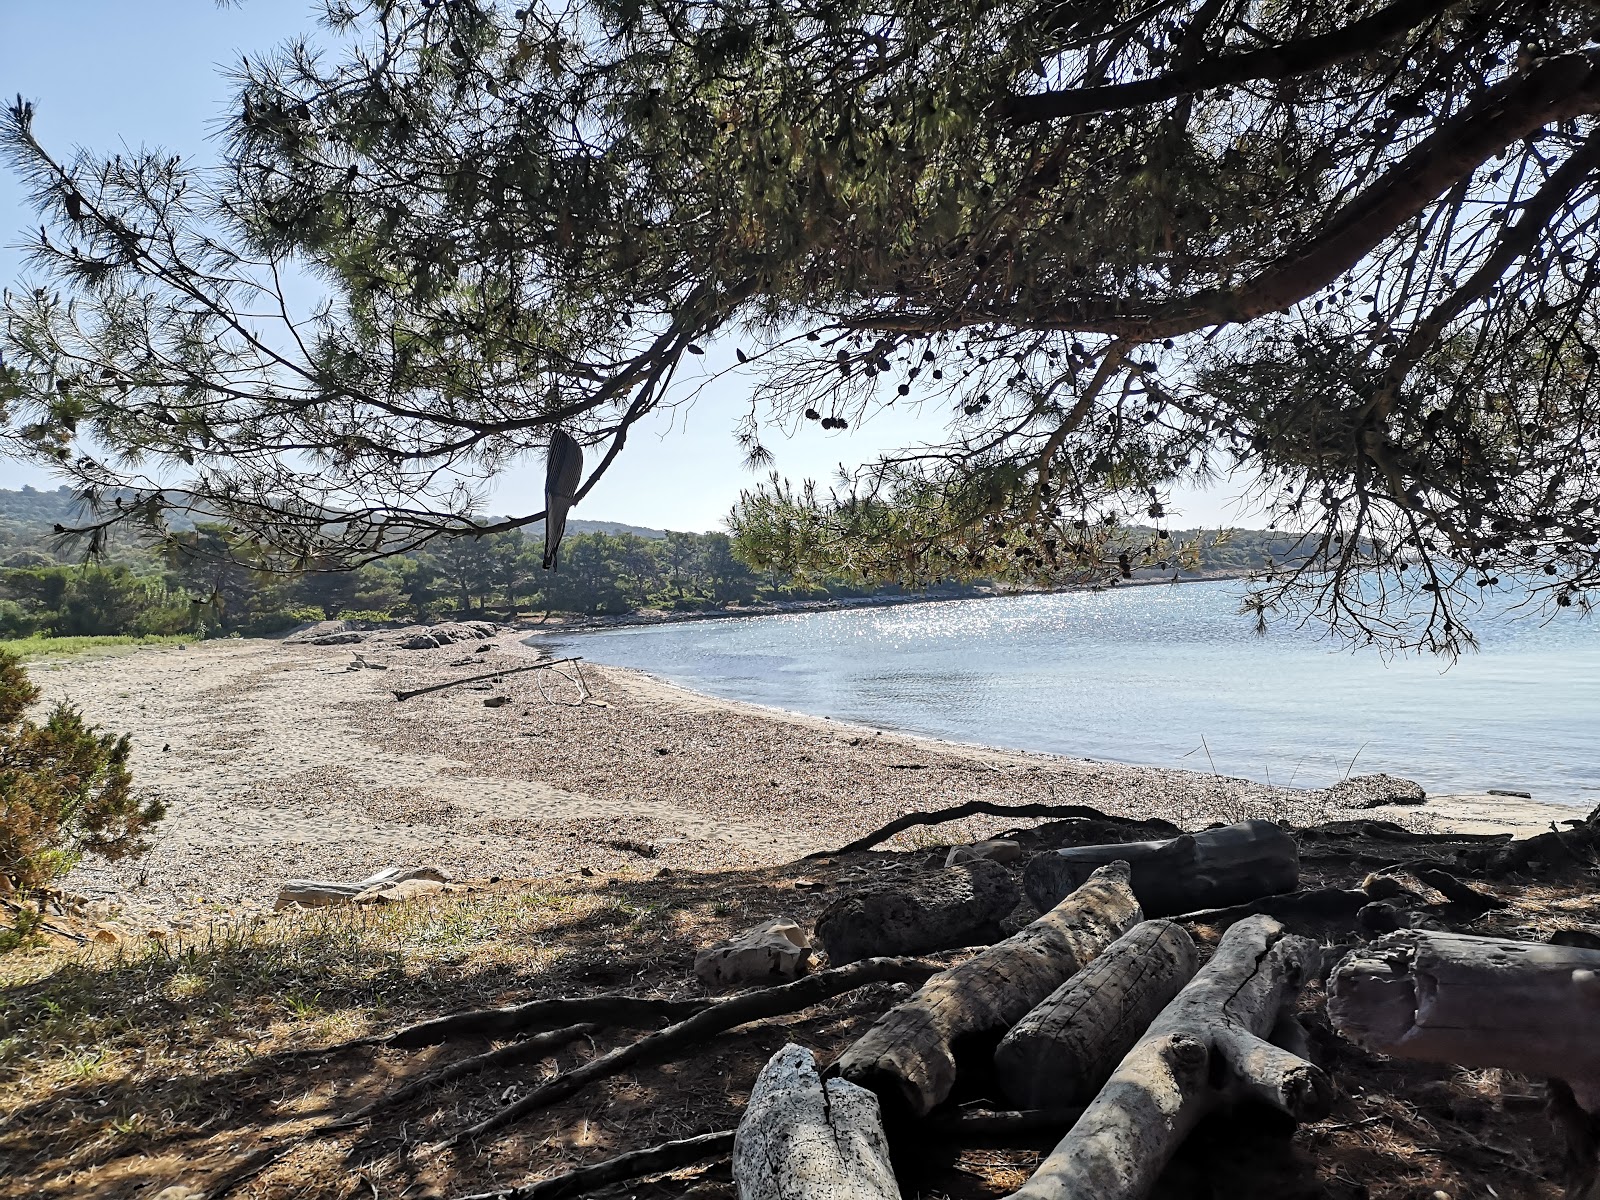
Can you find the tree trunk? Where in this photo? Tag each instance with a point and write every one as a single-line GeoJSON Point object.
{"type": "Point", "coordinates": [1475, 1002]}
{"type": "Point", "coordinates": [1061, 1052]}
{"type": "Point", "coordinates": [1205, 1048]}
{"type": "Point", "coordinates": [908, 1057]}
{"type": "Point", "coordinates": [936, 910]}
{"type": "Point", "coordinates": [803, 1139]}
{"type": "Point", "coordinates": [1218, 867]}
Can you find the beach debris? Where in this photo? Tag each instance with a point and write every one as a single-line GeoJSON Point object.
{"type": "Point", "coordinates": [934, 910]}
{"type": "Point", "coordinates": [908, 1057]}
{"type": "Point", "coordinates": [317, 893]}
{"type": "Point", "coordinates": [1000, 850]}
{"type": "Point", "coordinates": [630, 846]}
{"type": "Point", "coordinates": [1445, 997]}
{"type": "Point", "coordinates": [1229, 865]}
{"type": "Point", "coordinates": [1207, 1048]}
{"type": "Point", "coordinates": [801, 1136]}
{"type": "Point", "coordinates": [774, 951]}
{"type": "Point", "coordinates": [543, 665]}
{"type": "Point", "coordinates": [495, 701]}
{"type": "Point", "coordinates": [1374, 791]}
{"type": "Point", "coordinates": [1509, 792]}
{"type": "Point", "coordinates": [1062, 1052]}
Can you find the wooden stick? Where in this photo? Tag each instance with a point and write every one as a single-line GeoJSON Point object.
{"type": "Point", "coordinates": [739, 1010]}
{"type": "Point", "coordinates": [632, 1012]}
{"type": "Point", "coordinates": [439, 687]}
{"type": "Point", "coordinates": [974, 808]}
{"type": "Point", "coordinates": [633, 1165]}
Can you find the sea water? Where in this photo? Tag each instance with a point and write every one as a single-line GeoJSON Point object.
{"type": "Point", "coordinates": [1167, 676]}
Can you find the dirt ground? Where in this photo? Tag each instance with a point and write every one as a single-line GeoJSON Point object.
{"type": "Point", "coordinates": [212, 1063]}
{"type": "Point", "coordinates": [213, 1050]}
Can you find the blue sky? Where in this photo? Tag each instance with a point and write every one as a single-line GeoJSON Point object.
{"type": "Point", "coordinates": [106, 75]}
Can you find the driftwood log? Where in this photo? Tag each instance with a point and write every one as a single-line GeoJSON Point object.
{"type": "Point", "coordinates": [934, 910]}
{"type": "Point", "coordinates": [316, 893]}
{"type": "Point", "coordinates": [990, 808]}
{"type": "Point", "coordinates": [801, 1137]}
{"type": "Point", "coordinates": [1217, 867]}
{"type": "Point", "coordinates": [1206, 1047]}
{"type": "Point", "coordinates": [1061, 1052]}
{"type": "Point", "coordinates": [908, 1055]}
{"type": "Point", "coordinates": [1475, 1002]}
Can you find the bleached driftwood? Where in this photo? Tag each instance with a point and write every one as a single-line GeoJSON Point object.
{"type": "Point", "coordinates": [1060, 1053]}
{"type": "Point", "coordinates": [1475, 1002]}
{"type": "Point", "coordinates": [1206, 1047]}
{"type": "Point", "coordinates": [907, 1056]}
{"type": "Point", "coordinates": [1210, 869]}
{"type": "Point", "coordinates": [315, 893]}
{"type": "Point", "coordinates": [803, 1139]}
{"type": "Point", "coordinates": [934, 910]}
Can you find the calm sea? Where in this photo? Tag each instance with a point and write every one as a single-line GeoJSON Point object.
{"type": "Point", "coordinates": [1171, 676]}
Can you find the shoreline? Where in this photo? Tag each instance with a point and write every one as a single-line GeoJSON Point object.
{"type": "Point", "coordinates": [283, 761]}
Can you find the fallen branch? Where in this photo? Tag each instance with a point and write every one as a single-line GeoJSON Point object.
{"type": "Point", "coordinates": [975, 808]}
{"type": "Point", "coordinates": [439, 687]}
{"type": "Point", "coordinates": [538, 1046]}
{"type": "Point", "coordinates": [1311, 904]}
{"type": "Point", "coordinates": [735, 1011]}
{"type": "Point", "coordinates": [636, 1164]}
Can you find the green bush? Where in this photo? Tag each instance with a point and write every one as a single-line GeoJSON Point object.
{"type": "Point", "coordinates": [14, 621]}
{"type": "Point", "coordinates": [65, 789]}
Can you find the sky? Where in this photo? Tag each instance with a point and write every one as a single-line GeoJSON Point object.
{"type": "Point", "coordinates": [110, 74]}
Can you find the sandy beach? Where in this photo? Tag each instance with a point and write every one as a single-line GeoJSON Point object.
{"type": "Point", "coordinates": [278, 762]}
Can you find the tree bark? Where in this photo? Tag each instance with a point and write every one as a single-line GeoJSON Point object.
{"type": "Point", "coordinates": [937, 910]}
{"type": "Point", "coordinates": [908, 1055]}
{"type": "Point", "coordinates": [1060, 1053]}
{"type": "Point", "coordinates": [1217, 867]}
{"type": "Point", "coordinates": [803, 1139]}
{"type": "Point", "coordinates": [1475, 1002]}
{"type": "Point", "coordinates": [1205, 1048]}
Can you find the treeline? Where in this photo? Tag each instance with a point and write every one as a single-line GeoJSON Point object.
{"type": "Point", "coordinates": [193, 585]}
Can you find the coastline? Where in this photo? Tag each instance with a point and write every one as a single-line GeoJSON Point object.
{"type": "Point", "coordinates": [279, 761]}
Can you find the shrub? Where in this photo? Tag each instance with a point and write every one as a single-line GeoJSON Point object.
{"type": "Point", "coordinates": [65, 789]}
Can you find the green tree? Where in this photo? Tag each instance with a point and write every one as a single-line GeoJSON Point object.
{"type": "Point", "coordinates": [65, 789]}
{"type": "Point", "coordinates": [1109, 247]}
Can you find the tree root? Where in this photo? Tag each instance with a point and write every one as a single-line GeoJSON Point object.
{"type": "Point", "coordinates": [537, 1046]}
{"type": "Point", "coordinates": [985, 808]}
{"type": "Point", "coordinates": [738, 1010]}
{"type": "Point", "coordinates": [634, 1165]}
{"type": "Point", "coordinates": [628, 1012]}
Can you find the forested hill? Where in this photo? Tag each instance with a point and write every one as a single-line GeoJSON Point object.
{"type": "Point", "coordinates": [28, 516]}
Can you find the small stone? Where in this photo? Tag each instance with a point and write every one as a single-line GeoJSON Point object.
{"type": "Point", "coordinates": [586, 872]}
{"type": "Point", "coordinates": [483, 649]}
{"type": "Point", "coordinates": [496, 701]}
{"type": "Point", "coordinates": [106, 936]}
{"type": "Point", "coordinates": [774, 950]}
{"type": "Point", "coordinates": [1000, 850]}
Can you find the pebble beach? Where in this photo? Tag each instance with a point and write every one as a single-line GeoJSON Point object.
{"type": "Point", "coordinates": [285, 759]}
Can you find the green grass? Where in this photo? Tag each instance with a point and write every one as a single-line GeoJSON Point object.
{"type": "Point", "coordinates": [39, 645]}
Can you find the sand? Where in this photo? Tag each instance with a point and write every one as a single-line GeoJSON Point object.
{"type": "Point", "coordinates": [278, 762]}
